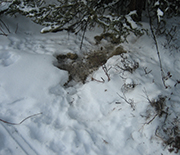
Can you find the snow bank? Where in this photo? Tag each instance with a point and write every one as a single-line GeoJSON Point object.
{"type": "Point", "coordinates": [97, 118]}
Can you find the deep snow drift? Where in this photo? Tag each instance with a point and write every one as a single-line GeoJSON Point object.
{"type": "Point", "coordinates": [110, 118]}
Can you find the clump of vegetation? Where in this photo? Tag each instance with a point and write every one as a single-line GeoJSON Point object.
{"type": "Point", "coordinates": [108, 36]}
{"type": "Point", "coordinates": [118, 51]}
{"type": "Point", "coordinates": [169, 133]}
{"type": "Point", "coordinates": [71, 56]}
{"type": "Point", "coordinates": [80, 68]}
{"type": "Point", "coordinates": [159, 105]}
{"type": "Point", "coordinates": [127, 64]}
{"type": "Point", "coordinates": [169, 124]}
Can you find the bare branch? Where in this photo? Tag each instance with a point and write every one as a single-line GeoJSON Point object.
{"type": "Point", "coordinates": [106, 72]}
{"type": "Point", "coordinates": [145, 70]}
{"type": "Point", "coordinates": [93, 79]}
{"type": "Point", "coordinates": [157, 47]}
{"type": "Point", "coordinates": [130, 101]}
{"type": "Point", "coordinates": [2, 24]}
{"type": "Point", "coordinates": [21, 121]}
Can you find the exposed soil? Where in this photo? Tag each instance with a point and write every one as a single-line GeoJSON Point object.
{"type": "Point", "coordinates": [80, 67]}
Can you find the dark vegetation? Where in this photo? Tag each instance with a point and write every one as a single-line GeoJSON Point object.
{"type": "Point", "coordinates": [168, 129]}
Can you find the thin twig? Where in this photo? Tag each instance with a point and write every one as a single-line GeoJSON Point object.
{"type": "Point", "coordinates": [124, 98]}
{"type": "Point", "coordinates": [106, 72]}
{"type": "Point", "coordinates": [83, 34]}
{"type": "Point", "coordinates": [145, 92]}
{"type": "Point", "coordinates": [158, 135]}
{"type": "Point", "coordinates": [152, 119]}
{"type": "Point", "coordinates": [145, 70]}
{"type": "Point", "coordinates": [21, 121]}
{"type": "Point", "coordinates": [93, 79]}
{"type": "Point", "coordinates": [177, 82]}
{"type": "Point", "coordinates": [157, 47]}
{"type": "Point", "coordinates": [16, 28]}
{"type": "Point", "coordinates": [5, 26]}
{"type": "Point", "coordinates": [130, 102]}
{"type": "Point", "coordinates": [3, 33]}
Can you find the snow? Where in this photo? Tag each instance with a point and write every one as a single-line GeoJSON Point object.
{"type": "Point", "coordinates": [159, 14]}
{"type": "Point", "coordinates": [4, 5]}
{"type": "Point", "coordinates": [130, 21]}
{"type": "Point", "coordinates": [95, 118]}
{"type": "Point", "coordinates": [156, 3]}
{"type": "Point", "coordinates": [49, 28]}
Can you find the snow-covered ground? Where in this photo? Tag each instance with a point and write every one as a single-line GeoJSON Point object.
{"type": "Point", "coordinates": [110, 118]}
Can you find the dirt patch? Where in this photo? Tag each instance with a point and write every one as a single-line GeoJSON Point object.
{"type": "Point", "coordinates": [80, 67]}
{"type": "Point", "coordinates": [108, 36]}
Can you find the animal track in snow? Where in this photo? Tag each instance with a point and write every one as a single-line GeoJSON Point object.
{"type": "Point", "coordinates": [8, 58]}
